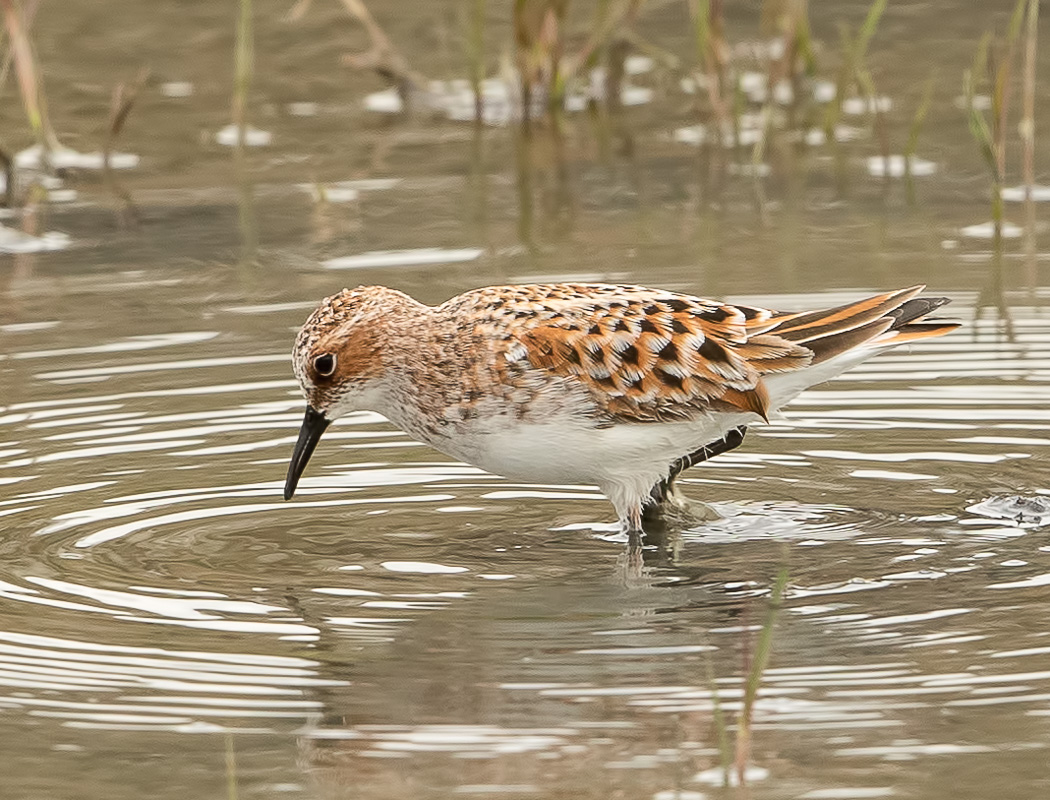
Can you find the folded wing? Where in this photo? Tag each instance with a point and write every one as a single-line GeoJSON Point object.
{"type": "Point", "coordinates": [647, 355]}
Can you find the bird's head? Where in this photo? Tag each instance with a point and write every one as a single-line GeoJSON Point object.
{"type": "Point", "coordinates": [338, 361]}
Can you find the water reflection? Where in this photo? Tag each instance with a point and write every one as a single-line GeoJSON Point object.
{"type": "Point", "coordinates": [90, 685]}
{"type": "Point", "coordinates": [413, 627]}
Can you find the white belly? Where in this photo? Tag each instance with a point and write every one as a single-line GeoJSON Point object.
{"type": "Point", "coordinates": [565, 451]}
{"type": "Point", "coordinates": [624, 460]}
{"type": "Point", "coordinates": [566, 448]}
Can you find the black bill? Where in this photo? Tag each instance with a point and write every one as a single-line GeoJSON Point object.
{"type": "Point", "coordinates": [314, 424]}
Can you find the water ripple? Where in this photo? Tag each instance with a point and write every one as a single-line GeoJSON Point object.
{"type": "Point", "coordinates": [146, 537]}
{"type": "Point", "coordinates": [102, 685]}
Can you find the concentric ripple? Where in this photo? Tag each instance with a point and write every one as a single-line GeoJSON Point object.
{"type": "Point", "coordinates": [154, 581]}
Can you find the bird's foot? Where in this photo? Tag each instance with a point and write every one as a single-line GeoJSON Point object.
{"type": "Point", "coordinates": [677, 510]}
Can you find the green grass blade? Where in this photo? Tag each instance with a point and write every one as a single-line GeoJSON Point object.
{"type": "Point", "coordinates": [725, 751]}
{"type": "Point", "coordinates": [765, 639]}
{"type": "Point", "coordinates": [231, 769]}
{"type": "Point", "coordinates": [1013, 31]}
{"type": "Point", "coordinates": [867, 30]}
{"type": "Point", "coordinates": [759, 662]}
{"type": "Point", "coordinates": [701, 13]}
{"type": "Point", "coordinates": [979, 129]}
{"type": "Point", "coordinates": [920, 117]}
{"type": "Point", "coordinates": [806, 53]}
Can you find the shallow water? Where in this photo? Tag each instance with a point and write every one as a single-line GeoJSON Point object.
{"type": "Point", "coordinates": [410, 627]}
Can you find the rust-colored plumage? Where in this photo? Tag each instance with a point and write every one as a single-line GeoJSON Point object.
{"type": "Point", "coordinates": [619, 386]}
{"type": "Point", "coordinates": [647, 355]}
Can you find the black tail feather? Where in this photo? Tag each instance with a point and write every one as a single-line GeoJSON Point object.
{"type": "Point", "coordinates": [916, 308]}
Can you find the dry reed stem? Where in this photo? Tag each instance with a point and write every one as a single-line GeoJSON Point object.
{"type": "Point", "coordinates": [1002, 86]}
{"type": "Point", "coordinates": [298, 11]}
{"type": "Point", "coordinates": [538, 49]}
{"type": "Point", "coordinates": [28, 75]}
{"type": "Point", "coordinates": [7, 167]}
{"type": "Point", "coordinates": [992, 140]}
{"type": "Point", "coordinates": [28, 14]}
{"type": "Point", "coordinates": [624, 16]}
{"type": "Point", "coordinates": [123, 101]}
{"type": "Point", "coordinates": [1028, 121]}
{"type": "Point", "coordinates": [476, 54]}
{"type": "Point", "coordinates": [124, 98]}
{"type": "Point", "coordinates": [709, 24]}
{"type": "Point", "coordinates": [670, 61]}
{"type": "Point", "coordinates": [244, 57]}
{"type": "Point", "coordinates": [792, 20]}
{"type": "Point", "coordinates": [1028, 136]}
{"type": "Point", "coordinates": [382, 56]}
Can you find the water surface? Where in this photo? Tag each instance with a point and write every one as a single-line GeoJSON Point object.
{"type": "Point", "coordinates": [411, 627]}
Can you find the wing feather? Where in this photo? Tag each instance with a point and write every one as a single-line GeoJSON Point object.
{"type": "Point", "coordinates": [649, 355]}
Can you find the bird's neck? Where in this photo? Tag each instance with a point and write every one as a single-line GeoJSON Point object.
{"type": "Point", "coordinates": [424, 368]}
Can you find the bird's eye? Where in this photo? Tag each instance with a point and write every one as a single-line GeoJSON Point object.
{"type": "Point", "coordinates": [325, 364]}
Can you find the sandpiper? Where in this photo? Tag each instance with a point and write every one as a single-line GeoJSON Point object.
{"type": "Point", "coordinates": [622, 387]}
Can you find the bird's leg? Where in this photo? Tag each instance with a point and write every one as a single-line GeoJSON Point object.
{"type": "Point", "coordinates": [664, 493]}
{"type": "Point", "coordinates": [632, 563]}
{"type": "Point", "coordinates": [633, 523]}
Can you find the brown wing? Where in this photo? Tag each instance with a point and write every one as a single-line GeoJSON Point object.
{"type": "Point", "coordinates": [648, 355]}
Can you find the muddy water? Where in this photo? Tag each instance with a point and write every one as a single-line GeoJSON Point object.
{"type": "Point", "coordinates": [410, 627]}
